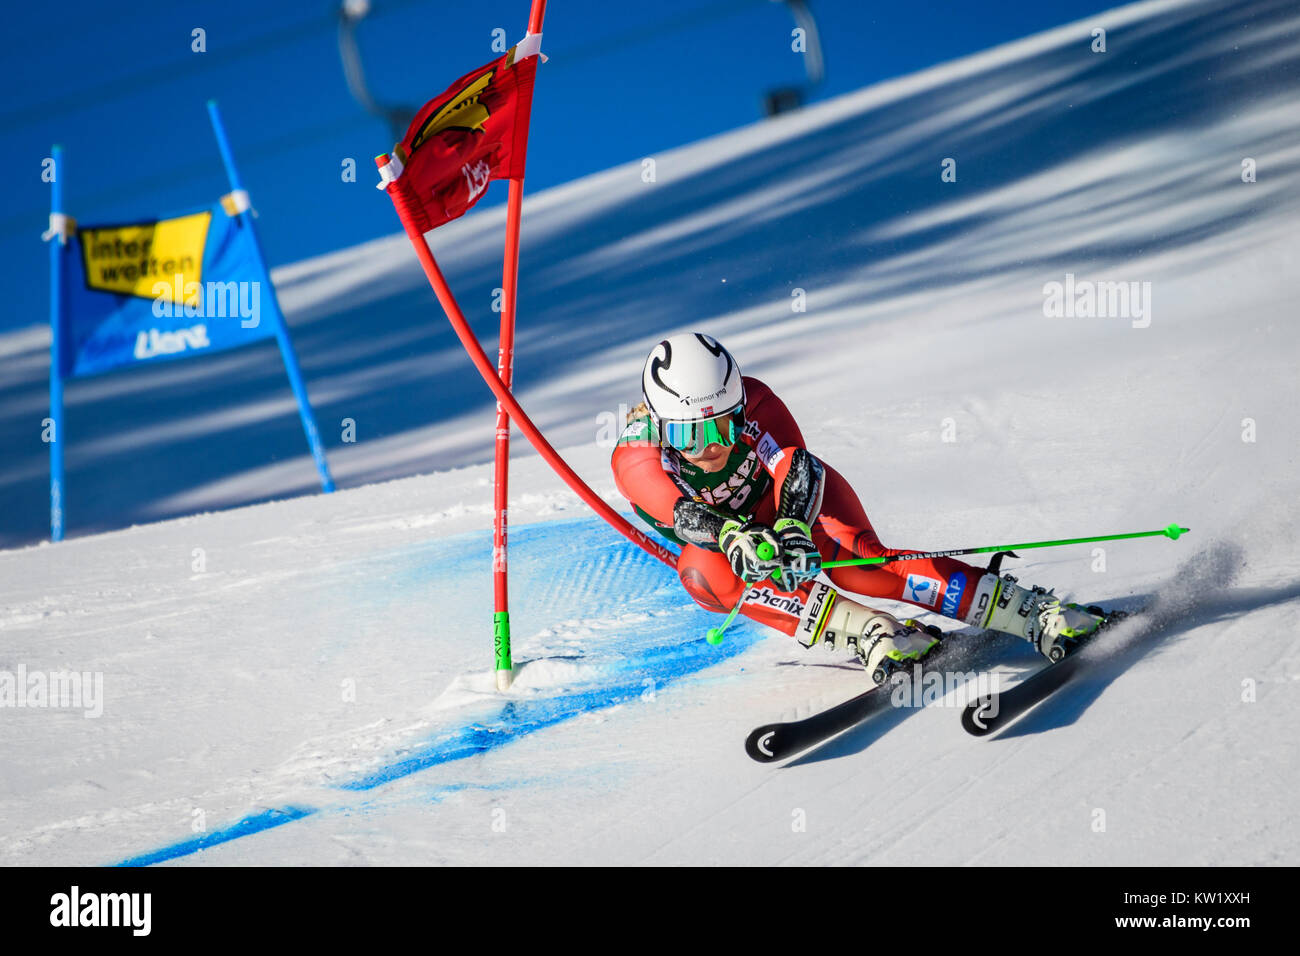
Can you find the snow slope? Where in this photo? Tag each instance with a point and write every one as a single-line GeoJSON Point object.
{"type": "Point", "coordinates": [305, 680]}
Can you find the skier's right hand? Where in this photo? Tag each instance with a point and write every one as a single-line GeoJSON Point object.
{"type": "Point", "coordinates": [742, 544]}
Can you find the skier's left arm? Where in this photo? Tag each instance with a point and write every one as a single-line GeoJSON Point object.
{"type": "Point", "coordinates": [800, 483]}
{"type": "Point", "coordinates": [799, 477]}
{"type": "Point", "coordinates": [800, 480]}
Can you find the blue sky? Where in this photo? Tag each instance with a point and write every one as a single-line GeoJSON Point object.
{"type": "Point", "coordinates": [119, 86]}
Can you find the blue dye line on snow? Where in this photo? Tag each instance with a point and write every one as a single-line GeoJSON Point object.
{"type": "Point", "coordinates": [521, 716]}
{"type": "Point", "coordinates": [518, 717]}
{"type": "Point", "coordinates": [256, 823]}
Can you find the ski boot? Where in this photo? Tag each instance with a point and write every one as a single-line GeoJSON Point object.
{"type": "Point", "coordinates": [882, 642]}
{"type": "Point", "coordinates": [1033, 614]}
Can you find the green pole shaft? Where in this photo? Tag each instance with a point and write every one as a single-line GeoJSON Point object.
{"type": "Point", "coordinates": [714, 635]}
{"type": "Point", "coordinates": [1173, 531]}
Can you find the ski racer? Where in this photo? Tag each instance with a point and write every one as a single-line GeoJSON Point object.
{"type": "Point", "coordinates": [715, 463]}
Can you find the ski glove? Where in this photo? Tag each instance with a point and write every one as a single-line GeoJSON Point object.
{"type": "Point", "coordinates": [800, 559]}
{"type": "Point", "coordinates": [742, 543]}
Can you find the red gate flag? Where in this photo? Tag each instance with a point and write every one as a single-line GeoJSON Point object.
{"type": "Point", "coordinates": [475, 132]}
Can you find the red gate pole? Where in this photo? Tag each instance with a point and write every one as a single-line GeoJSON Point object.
{"type": "Point", "coordinates": [505, 371]}
{"type": "Point", "coordinates": [517, 414]}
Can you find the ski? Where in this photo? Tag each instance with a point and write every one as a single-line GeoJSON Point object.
{"type": "Point", "coordinates": [772, 742]}
{"type": "Point", "coordinates": [777, 741]}
{"type": "Point", "coordinates": [992, 712]}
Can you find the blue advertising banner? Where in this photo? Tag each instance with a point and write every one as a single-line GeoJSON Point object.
{"type": "Point", "coordinates": [155, 290]}
{"type": "Point", "coordinates": [164, 289]}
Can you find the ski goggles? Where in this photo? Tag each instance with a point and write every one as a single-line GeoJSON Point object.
{"type": "Point", "coordinates": [691, 438]}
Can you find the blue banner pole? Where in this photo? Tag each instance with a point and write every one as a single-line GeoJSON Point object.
{"type": "Point", "coordinates": [58, 241]}
{"type": "Point", "coordinates": [281, 327]}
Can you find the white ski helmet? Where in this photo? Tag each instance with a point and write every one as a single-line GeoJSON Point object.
{"type": "Point", "coordinates": [689, 377]}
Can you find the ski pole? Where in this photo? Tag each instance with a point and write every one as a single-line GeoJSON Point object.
{"type": "Point", "coordinates": [1173, 531]}
{"type": "Point", "coordinates": [714, 636]}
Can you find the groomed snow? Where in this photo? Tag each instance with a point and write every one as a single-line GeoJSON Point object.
{"type": "Point", "coordinates": [307, 679]}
